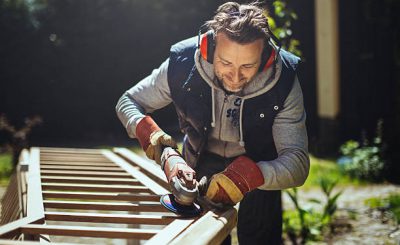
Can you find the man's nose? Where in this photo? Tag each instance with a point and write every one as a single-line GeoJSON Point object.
{"type": "Point", "coordinates": [236, 76]}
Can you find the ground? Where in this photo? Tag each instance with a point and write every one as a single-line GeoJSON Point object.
{"type": "Point", "coordinates": [357, 223]}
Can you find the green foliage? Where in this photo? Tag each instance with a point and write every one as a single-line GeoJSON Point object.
{"type": "Point", "coordinates": [281, 26]}
{"type": "Point", "coordinates": [390, 204]}
{"type": "Point", "coordinates": [6, 168]}
{"type": "Point", "coordinates": [306, 224]}
{"type": "Point", "coordinates": [331, 200]}
{"type": "Point", "coordinates": [363, 161]}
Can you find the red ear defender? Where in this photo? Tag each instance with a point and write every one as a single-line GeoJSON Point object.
{"type": "Point", "coordinates": [203, 46]}
{"type": "Point", "coordinates": [207, 46]}
{"type": "Point", "coordinates": [270, 60]}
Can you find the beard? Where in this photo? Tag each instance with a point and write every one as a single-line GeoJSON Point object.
{"type": "Point", "coordinates": [226, 87]}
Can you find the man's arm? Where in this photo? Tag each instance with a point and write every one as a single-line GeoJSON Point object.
{"type": "Point", "coordinates": [291, 167]}
{"type": "Point", "coordinates": [148, 95]}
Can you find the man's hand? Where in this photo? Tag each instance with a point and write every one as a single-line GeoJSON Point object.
{"type": "Point", "coordinates": [230, 185]}
{"type": "Point", "coordinates": [153, 139]}
{"type": "Point", "coordinates": [185, 174]}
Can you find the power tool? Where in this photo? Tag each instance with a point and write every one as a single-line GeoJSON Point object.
{"type": "Point", "coordinates": [184, 190]}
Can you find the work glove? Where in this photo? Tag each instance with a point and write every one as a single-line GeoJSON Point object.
{"type": "Point", "coordinates": [173, 164]}
{"type": "Point", "coordinates": [153, 139]}
{"type": "Point", "coordinates": [230, 186]}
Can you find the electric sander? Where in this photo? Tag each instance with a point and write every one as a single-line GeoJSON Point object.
{"type": "Point", "coordinates": [184, 187]}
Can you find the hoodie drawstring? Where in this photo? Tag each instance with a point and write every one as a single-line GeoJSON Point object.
{"type": "Point", "coordinates": [241, 141]}
{"type": "Point", "coordinates": [213, 107]}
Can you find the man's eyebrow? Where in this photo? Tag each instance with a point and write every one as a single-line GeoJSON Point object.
{"type": "Point", "coordinates": [224, 59]}
{"type": "Point", "coordinates": [227, 61]}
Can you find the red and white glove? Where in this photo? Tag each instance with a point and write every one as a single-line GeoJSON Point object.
{"type": "Point", "coordinates": [230, 185]}
{"type": "Point", "coordinates": [153, 139]}
{"type": "Point", "coordinates": [174, 165]}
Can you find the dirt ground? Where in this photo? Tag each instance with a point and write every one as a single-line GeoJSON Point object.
{"type": "Point", "coordinates": [359, 225]}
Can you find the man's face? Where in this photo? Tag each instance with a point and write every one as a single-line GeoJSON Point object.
{"type": "Point", "coordinates": [236, 64]}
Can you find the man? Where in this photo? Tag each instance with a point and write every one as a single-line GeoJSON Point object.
{"type": "Point", "coordinates": [240, 106]}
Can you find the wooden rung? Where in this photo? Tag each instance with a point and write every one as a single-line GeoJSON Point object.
{"type": "Point", "coordinates": [87, 187]}
{"type": "Point", "coordinates": [69, 155]}
{"type": "Point", "coordinates": [84, 173]}
{"type": "Point", "coordinates": [101, 196]}
{"type": "Point", "coordinates": [92, 180]}
{"type": "Point", "coordinates": [70, 163]}
{"type": "Point", "coordinates": [75, 159]}
{"type": "Point", "coordinates": [110, 218]}
{"type": "Point", "coordinates": [115, 168]}
{"type": "Point", "coordinates": [17, 242]}
{"type": "Point", "coordinates": [69, 150]}
{"type": "Point", "coordinates": [142, 207]}
{"type": "Point", "coordinates": [105, 232]}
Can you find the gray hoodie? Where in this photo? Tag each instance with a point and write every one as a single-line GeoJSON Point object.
{"type": "Point", "coordinates": [289, 169]}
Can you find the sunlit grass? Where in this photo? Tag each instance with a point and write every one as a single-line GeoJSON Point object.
{"type": "Point", "coordinates": [5, 168]}
{"type": "Point", "coordinates": [328, 169]}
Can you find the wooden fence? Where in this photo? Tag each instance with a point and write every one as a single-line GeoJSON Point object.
{"type": "Point", "coordinates": [98, 196]}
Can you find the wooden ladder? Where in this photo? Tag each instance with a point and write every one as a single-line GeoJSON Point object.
{"type": "Point", "coordinates": [94, 195]}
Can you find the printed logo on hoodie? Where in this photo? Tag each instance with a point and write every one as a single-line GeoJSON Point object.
{"type": "Point", "coordinates": [233, 113]}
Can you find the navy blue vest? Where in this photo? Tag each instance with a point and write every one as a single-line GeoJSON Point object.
{"type": "Point", "coordinates": [191, 96]}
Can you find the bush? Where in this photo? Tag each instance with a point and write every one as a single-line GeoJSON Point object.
{"type": "Point", "coordinates": [363, 161]}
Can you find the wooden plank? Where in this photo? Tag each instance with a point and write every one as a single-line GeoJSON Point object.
{"type": "Point", "coordinates": [70, 150]}
{"type": "Point", "coordinates": [101, 196]}
{"type": "Point", "coordinates": [22, 180]}
{"type": "Point", "coordinates": [211, 228]}
{"type": "Point", "coordinates": [82, 168]}
{"type": "Point", "coordinates": [86, 174]}
{"type": "Point", "coordinates": [87, 187]}
{"type": "Point", "coordinates": [111, 218]}
{"type": "Point", "coordinates": [170, 232]}
{"type": "Point", "coordinates": [13, 228]}
{"type": "Point", "coordinates": [34, 195]}
{"type": "Point", "coordinates": [88, 180]}
{"type": "Point", "coordinates": [70, 163]}
{"type": "Point", "coordinates": [151, 168]}
{"type": "Point", "coordinates": [89, 231]}
{"type": "Point", "coordinates": [76, 159]}
{"type": "Point", "coordinates": [142, 207]}
{"type": "Point", "coordinates": [10, 205]}
{"type": "Point", "coordinates": [73, 154]}
{"type": "Point", "coordinates": [23, 160]}
{"type": "Point", "coordinates": [145, 180]}
{"type": "Point", "coordinates": [15, 242]}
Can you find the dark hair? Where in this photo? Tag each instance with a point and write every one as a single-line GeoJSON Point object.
{"type": "Point", "coordinates": [242, 23]}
